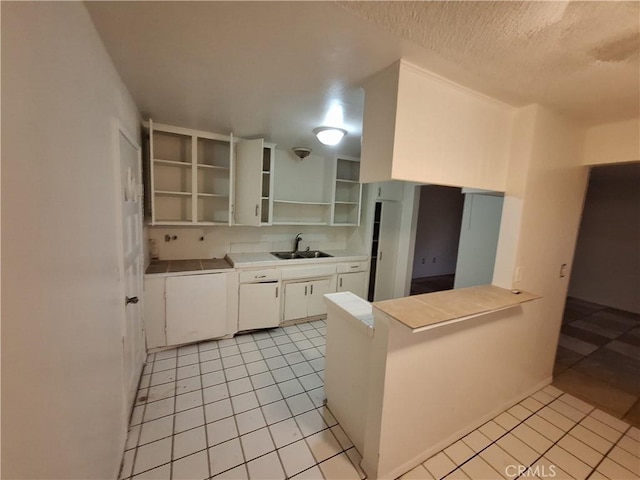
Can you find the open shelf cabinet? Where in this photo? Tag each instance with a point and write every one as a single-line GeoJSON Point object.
{"type": "Point", "coordinates": [190, 176]}
{"type": "Point", "coordinates": [347, 192]}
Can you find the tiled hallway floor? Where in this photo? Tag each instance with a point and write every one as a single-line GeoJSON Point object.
{"type": "Point", "coordinates": [598, 358]}
{"type": "Point", "coordinates": [252, 407]}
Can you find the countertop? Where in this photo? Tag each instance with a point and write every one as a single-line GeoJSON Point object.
{"type": "Point", "coordinates": [195, 265]}
{"type": "Point", "coordinates": [245, 260]}
{"type": "Point", "coordinates": [430, 310]}
{"type": "Point", "coordinates": [265, 259]}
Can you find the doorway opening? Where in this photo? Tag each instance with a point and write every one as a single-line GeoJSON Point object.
{"type": "Point", "coordinates": [437, 239]}
{"type": "Point", "coordinates": [456, 238]}
{"type": "Point", "coordinates": [598, 354]}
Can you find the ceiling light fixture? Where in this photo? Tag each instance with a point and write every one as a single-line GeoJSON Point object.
{"type": "Point", "coordinates": [301, 152]}
{"type": "Point", "coordinates": [329, 135]}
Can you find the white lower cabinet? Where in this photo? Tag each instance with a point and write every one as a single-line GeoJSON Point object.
{"type": "Point", "coordinates": [189, 308]}
{"type": "Point", "coordinates": [352, 282]}
{"type": "Point", "coordinates": [196, 307]}
{"type": "Point", "coordinates": [259, 306]}
{"type": "Point", "coordinates": [306, 299]}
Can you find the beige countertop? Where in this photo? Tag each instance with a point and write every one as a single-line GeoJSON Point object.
{"type": "Point", "coordinates": [193, 265]}
{"type": "Point", "coordinates": [421, 312]}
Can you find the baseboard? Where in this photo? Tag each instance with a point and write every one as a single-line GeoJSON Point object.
{"type": "Point", "coordinates": [418, 459]}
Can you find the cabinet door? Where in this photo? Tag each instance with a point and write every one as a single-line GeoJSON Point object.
{"type": "Point", "coordinates": [391, 190]}
{"type": "Point", "coordinates": [196, 307]}
{"type": "Point", "coordinates": [154, 312]}
{"type": "Point", "coordinates": [316, 304]}
{"type": "Point", "coordinates": [387, 251]}
{"type": "Point", "coordinates": [248, 183]}
{"type": "Point", "coordinates": [259, 306]}
{"type": "Point", "coordinates": [352, 282]}
{"type": "Point", "coordinates": [295, 300]}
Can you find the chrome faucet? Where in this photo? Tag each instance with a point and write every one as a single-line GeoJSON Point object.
{"type": "Point", "coordinates": [297, 242]}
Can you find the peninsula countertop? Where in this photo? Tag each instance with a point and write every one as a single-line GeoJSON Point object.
{"type": "Point", "coordinates": [430, 310]}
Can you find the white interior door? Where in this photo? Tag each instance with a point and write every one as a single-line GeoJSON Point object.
{"type": "Point", "coordinates": [388, 251]}
{"type": "Point", "coordinates": [132, 262]}
{"type": "Point", "coordinates": [248, 191]}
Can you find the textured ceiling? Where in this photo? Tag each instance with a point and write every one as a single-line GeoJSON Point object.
{"type": "Point", "coordinates": [581, 58]}
{"type": "Point", "coordinates": [275, 69]}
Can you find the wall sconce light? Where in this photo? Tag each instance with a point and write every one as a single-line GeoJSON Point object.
{"type": "Point", "coordinates": [329, 135]}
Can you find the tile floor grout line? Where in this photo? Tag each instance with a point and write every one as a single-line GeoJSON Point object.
{"type": "Point", "coordinates": [507, 432]}
{"type": "Point", "coordinates": [606, 455]}
{"type": "Point", "coordinates": [173, 419]}
{"type": "Point", "coordinates": [204, 417]}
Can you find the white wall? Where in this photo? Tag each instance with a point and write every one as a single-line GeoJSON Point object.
{"type": "Point", "coordinates": [378, 125]}
{"type": "Point", "coordinates": [63, 412]}
{"type": "Point", "coordinates": [437, 231]}
{"type": "Point", "coordinates": [607, 260]}
{"type": "Point", "coordinates": [616, 142]}
{"type": "Point", "coordinates": [478, 240]}
{"type": "Point", "coordinates": [539, 228]}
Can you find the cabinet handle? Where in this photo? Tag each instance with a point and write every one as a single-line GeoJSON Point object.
{"type": "Point", "coordinates": [340, 283]}
{"type": "Point", "coordinates": [379, 191]}
{"type": "Point", "coordinates": [276, 292]}
{"type": "Point", "coordinates": [380, 258]}
{"type": "Point", "coordinates": [257, 207]}
{"type": "Point", "coordinates": [259, 276]}
{"type": "Point", "coordinates": [354, 266]}
{"type": "Point", "coordinates": [311, 289]}
{"type": "Point", "coordinates": [305, 290]}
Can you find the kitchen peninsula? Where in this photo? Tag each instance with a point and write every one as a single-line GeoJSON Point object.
{"type": "Point", "coordinates": [408, 376]}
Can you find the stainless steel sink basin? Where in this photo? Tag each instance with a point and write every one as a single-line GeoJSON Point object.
{"type": "Point", "coordinates": [305, 254]}
{"type": "Point", "coordinates": [315, 254]}
{"type": "Point", "coordinates": [288, 255]}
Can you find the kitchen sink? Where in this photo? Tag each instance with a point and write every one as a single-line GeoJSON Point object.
{"type": "Point", "coordinates": [304, 254]}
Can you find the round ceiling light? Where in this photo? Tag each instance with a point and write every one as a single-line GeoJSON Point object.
{"type": "Point", "coordinates": [329, 135]}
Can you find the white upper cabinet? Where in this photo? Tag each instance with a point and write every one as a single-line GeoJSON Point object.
{"type": "Point", "coordinates": [419, 127]}
{"type": "Point", "coordinates": [248, 201]}
{"type": "Point", "coordinates": [203, 178]}
{"type": "Point", "coordinates": [190, 176]}
{"type": "Point", "coordinates": [392, 190]}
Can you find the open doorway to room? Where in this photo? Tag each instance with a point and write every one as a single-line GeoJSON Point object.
{"type": "Point", "coordinates": [456, 238]}
{"type": "Point", "coordinates": [598, 355]}
{"type": "Point", "coordinates": [437, 239]}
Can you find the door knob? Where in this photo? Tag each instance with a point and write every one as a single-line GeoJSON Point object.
{"type": "Point", "coordinates": [128, 300]}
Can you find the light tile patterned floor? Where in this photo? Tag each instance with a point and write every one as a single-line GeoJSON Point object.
{"type": "Point", "coordinates": [252, 407]}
